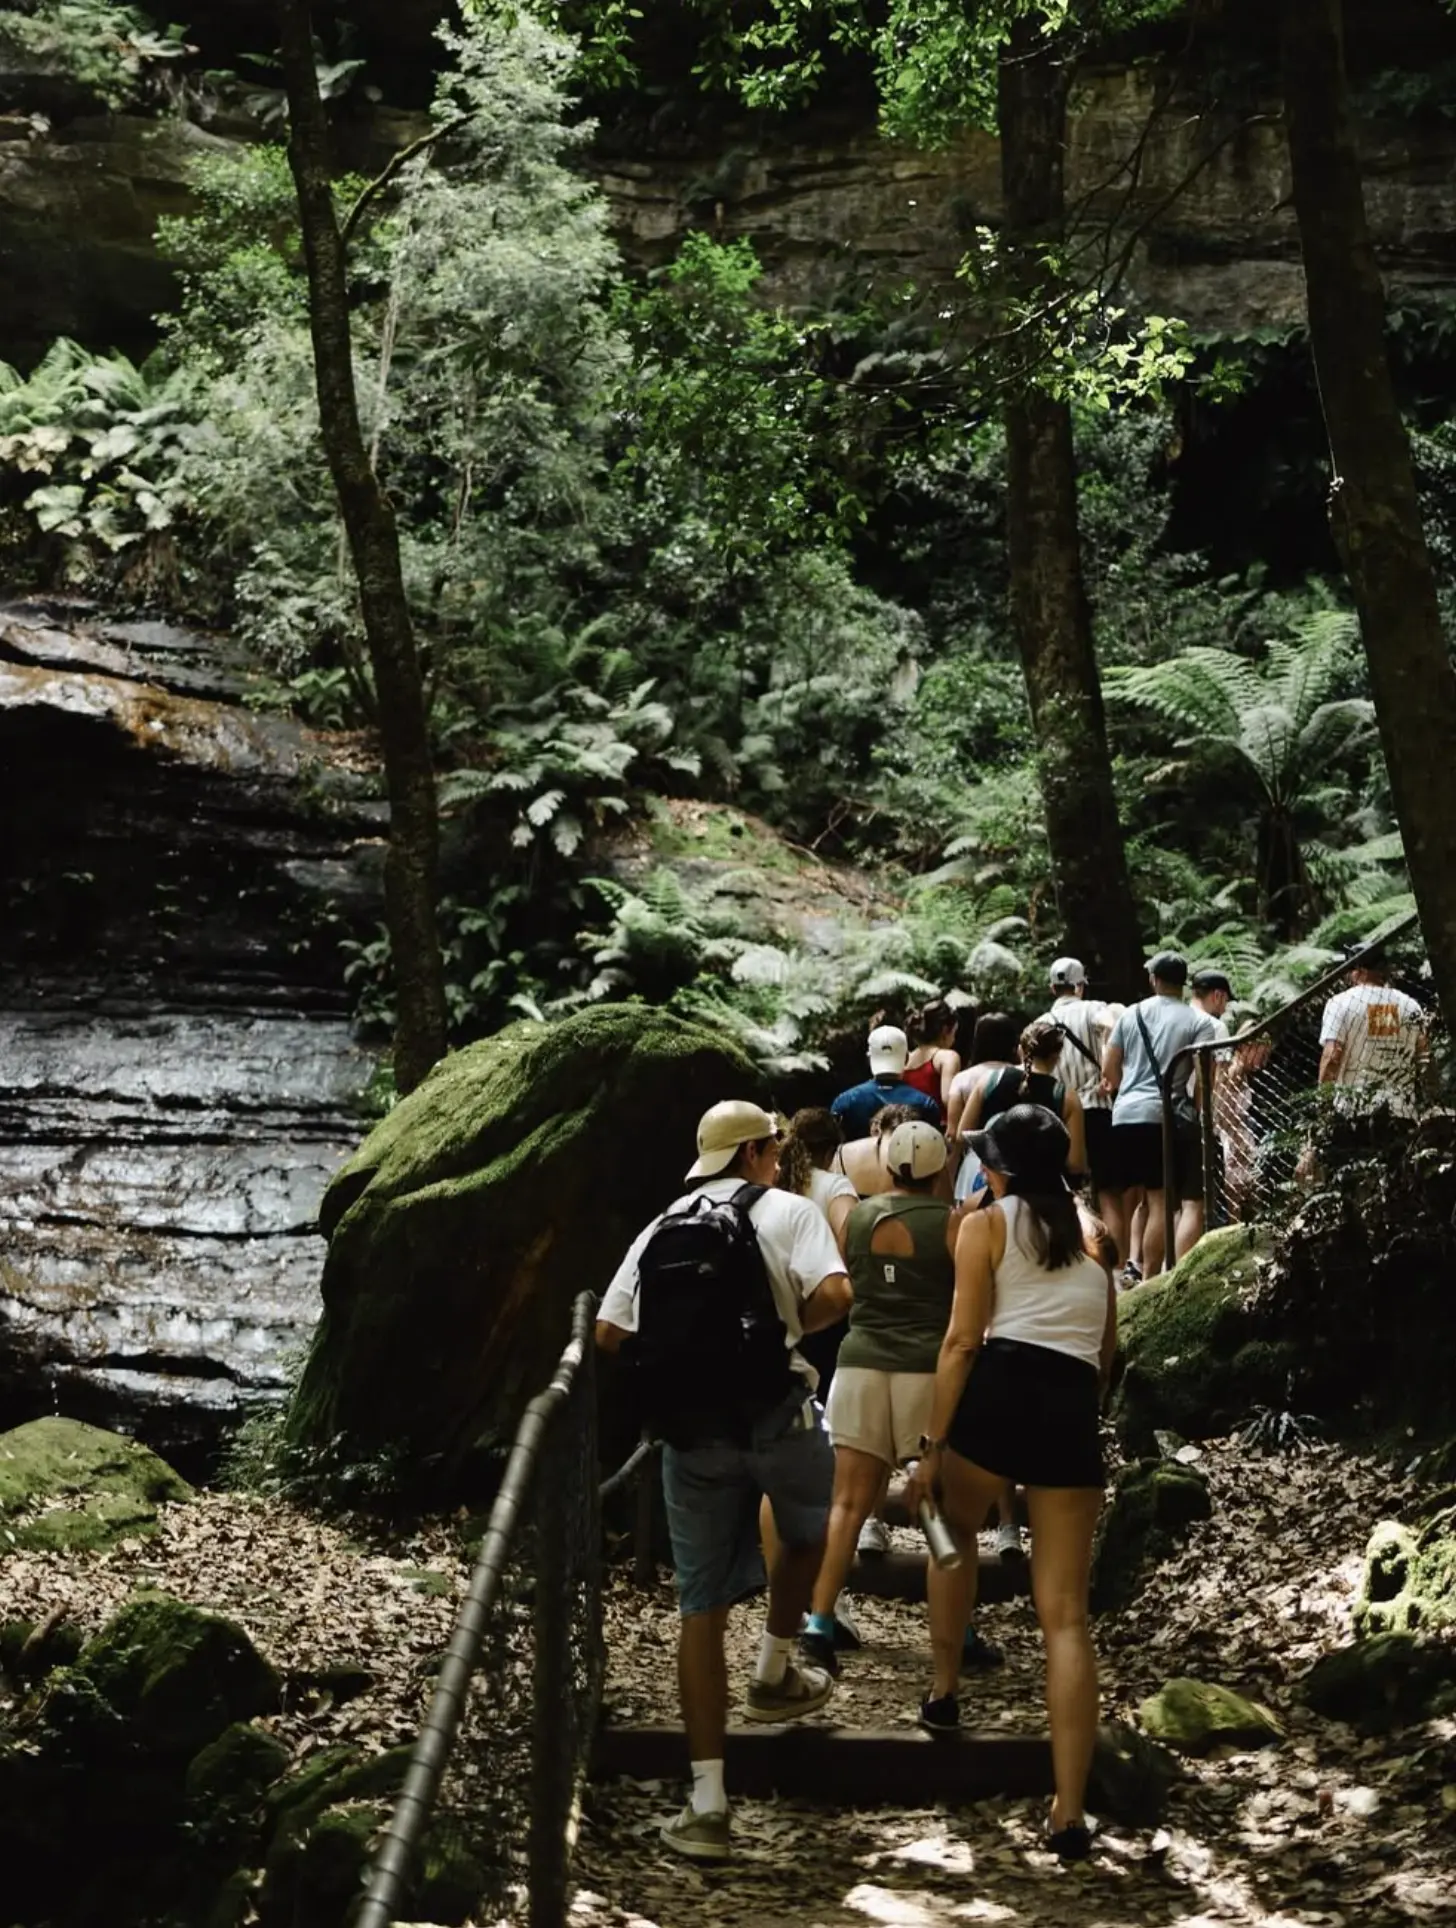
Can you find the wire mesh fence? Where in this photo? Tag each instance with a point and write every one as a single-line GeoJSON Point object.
{"type": "Point", "coordinates": [1258, 1098]}
{"type": "Point", "coordinates": [515, 1703]}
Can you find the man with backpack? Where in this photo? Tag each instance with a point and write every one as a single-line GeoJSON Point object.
{"type": "Point", "coordinates": [1086, 1024]}
{"type": "Point", "coordinates": [707, 1310]}
{"type": "Point", "coordinates": [1139, 1066]}
{"type": "Point", "coordinates": [888, 1050]}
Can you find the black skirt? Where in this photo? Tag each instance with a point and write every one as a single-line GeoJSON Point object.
{"type": "Point", "coordinates": [1029, 1414]}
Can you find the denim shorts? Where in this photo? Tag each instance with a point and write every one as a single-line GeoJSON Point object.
{"type": "Point", "coordinates": [712, 1494]}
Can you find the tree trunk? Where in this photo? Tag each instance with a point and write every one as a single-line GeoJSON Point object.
{"type": "Point", "coordinates": [1375, 511]}
{"type": "Point", "coordinates": [1049, 614]}
{"type": "Point", "coordinates": [411, 863]}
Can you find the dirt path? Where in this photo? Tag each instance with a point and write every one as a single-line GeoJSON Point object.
{"type": "Point", "coordinates": [1326, 1829]}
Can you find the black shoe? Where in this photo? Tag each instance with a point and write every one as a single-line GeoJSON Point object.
{"type": "Point", "coordinates": [819, 1652]}
{"type": "Point", "coordinates": [1071, 1843]}
{"type": "Point", "coordinates": [978, 1655]}
{"type": "Point", "coordinates": [942, 1716]}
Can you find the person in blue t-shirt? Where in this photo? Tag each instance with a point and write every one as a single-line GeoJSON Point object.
{"type": "Point", "coordinates": [888, 1050]}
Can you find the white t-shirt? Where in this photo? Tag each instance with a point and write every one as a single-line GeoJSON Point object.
{"type": "Point", "coordinates": [1172, 1027]}
{"type": "Point", "coordinates": [1087, 1019]}
{"type": "Point", "coordinates": [1222, 1033]}
{"type": "Point", "coordinates": [1381, 1031]}
{"type": "Point", "coordinates": [1065, 1310]}
{"type": "Point", "coordinates": [825, 1187]}
{"type": "Point", "coordinates": [798, 1249]}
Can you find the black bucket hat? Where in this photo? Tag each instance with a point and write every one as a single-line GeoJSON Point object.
{"type": "Point", "coordinates": [1027, 1143]}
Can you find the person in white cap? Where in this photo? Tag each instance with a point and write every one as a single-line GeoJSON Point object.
{"type": "Point", "coordinates": [900, 1248]}
{"type": "Point", "coordinates": [889, 1050]}
{"type": "Point", "coordinates": [1086, 1024]}
{"type": "Point", "coordinates": [708, 1307]}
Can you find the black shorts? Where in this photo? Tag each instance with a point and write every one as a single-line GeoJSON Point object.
{"type": "Point", "coordinates": [1029, 1414]}
{"type": "Point", "coordinates": [821, 1349]}
{"type": "Point", "coordinates": [1136, 1158]}
{"type": "Point", "coordinates": [1098, 1125]}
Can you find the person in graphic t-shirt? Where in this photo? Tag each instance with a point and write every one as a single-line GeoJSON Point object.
{"type": "Point", "coordinates": [1373, 1036]}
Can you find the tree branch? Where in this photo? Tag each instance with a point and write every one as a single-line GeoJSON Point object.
{"type": "Point", "coordinates": [392, 168]}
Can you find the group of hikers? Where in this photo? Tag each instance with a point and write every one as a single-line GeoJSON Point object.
{"type": "Point", "coordinates": [924, 1276]}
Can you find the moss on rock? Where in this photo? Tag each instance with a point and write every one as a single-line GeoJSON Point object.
{"type": "Point", "coordinates": [235, 1770]}
{"type": "Point", "coordinates": [1190, 1360]}
{"type": "Point", "coordinates": [177, 1676]}
{"type": "Point", "coordinates": [66, 1485]}
{"type": "Point", "coordinates": [1409, 1584]}
{"type": "Point", "coordinates": [1388, 1681]}
{"type": "Point", "coordinates": [513, 1178]}
{"type": "Point", "coordinates": [1154, 1503]}
{"type": "Point", "coordinates": [1194, 1716]}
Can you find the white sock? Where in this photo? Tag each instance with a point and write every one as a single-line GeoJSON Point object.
{"type": "Point", "coordinates": [708, 1794]}
{"type": "Point", "coordinates": [773, 1658]}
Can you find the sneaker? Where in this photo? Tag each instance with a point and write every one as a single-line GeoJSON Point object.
{"type": "Point", "coordinates": [1008, 1541]}
{"type": "Point", "coordinates": [874, 1539]}
{"type": "Point", "coordinates": [1132, 1274]}
{"type": "Point", "coordinates": [942, 1716]}
{"type": "Point", "coordinates": [1072, 1843]}
{"type": "Point", "coordinates": [818, 1650]}
{"type": "Point", "coordinates": [701, 1837]}
{"type": "Point", "coordinates": [847, 1636]}
{"type": "Point", "coordinates": [803, 1690]}
{"type": "Point", "coordinates": [978, 1655]}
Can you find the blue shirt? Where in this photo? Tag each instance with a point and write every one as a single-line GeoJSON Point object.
{"type": "Point", "coordinates": [855, 1108]}
{"type": "Point", "coordinates": [1172, 1027]}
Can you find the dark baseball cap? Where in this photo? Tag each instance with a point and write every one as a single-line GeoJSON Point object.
{"type": "Point", "coordinates": [1028, 1143]}
{"type": "Point", "coordinates": [1169, 968]}
{"type": "Point", "coordinates": [1205, 981]}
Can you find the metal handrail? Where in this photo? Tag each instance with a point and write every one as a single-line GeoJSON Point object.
{"type": "Point", "coordinates": [389, 1872]}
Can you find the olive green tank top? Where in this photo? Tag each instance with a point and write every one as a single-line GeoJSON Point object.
{"type": "Point", "coordinates": [901, 1305]}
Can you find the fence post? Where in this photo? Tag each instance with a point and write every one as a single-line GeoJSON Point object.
{"type": "Point", "coordinates": [1206, 1086]}
{"type": "Point", "coordinates": [1170, 1174]}
{"type": "Point", "coordinates": [553, 1729]}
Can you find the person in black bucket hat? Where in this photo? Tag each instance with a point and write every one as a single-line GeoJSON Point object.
{"type": "Point", "coordinates": [1018, 1384]}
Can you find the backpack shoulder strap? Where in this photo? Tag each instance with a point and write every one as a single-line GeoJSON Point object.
{"type": "Point", "coordinates": [746, 1197]}
{"type": "Point", "coordinates": [1071, 1036]}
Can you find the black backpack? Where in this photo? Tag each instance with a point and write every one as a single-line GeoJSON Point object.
{"type": "Point", "coordinates": [710, 1353]}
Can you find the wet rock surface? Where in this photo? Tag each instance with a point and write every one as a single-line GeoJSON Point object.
{"type": "Point", "coordinates": [178, 1079]}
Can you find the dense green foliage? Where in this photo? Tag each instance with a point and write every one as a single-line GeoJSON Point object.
{"type": "Point", "coordinates": [661, 537]}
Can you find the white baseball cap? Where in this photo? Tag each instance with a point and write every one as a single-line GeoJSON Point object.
{"type": "Point", "coordinates": [915, 1150]}
{"type": "Point", "coordinates": [723, 1128]}
{"type": "Point", "coordinates": [888, 1048]}
{"type": "Point", "coordinates": [1068, 971]}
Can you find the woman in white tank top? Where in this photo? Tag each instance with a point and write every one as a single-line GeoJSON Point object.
{"type": "Point", "coordinates": [1018, 1386]}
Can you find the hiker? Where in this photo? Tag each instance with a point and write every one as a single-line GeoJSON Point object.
{"type": "Point", "coordinates": [993, 1049]}
{"type": "Point", "coordinates": [1373, 1039]}
{"type": "Point", "coordinates": [1034, 1081]}
{"type": "Point", "coordinates": [862, 1160]}
{"type": "Point", "coordinates": [1029, 1346]}
{"type": "Point", "coordinates": [807, 1158]}
{"type": "Point", "coordinates": [888, 1050]}
{"type": "Point", "coordinates": [1086, 1025]}
{"type": "Point", "coordinates": [1211, 993]}
{"type": "Point", "coordinates": [1145, 1041]}
{"type": "Point", "coordinates": [901, 1267]}
{"type": "Point", "coordinates": [708, 1308]}
{"type": "Point", "coordinates": [934, 1060]}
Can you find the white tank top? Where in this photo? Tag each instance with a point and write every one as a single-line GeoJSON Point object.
{"type": "Point", "coordinates": [1065, 1310]}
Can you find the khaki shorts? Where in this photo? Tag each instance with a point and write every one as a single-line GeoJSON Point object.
{"type": "Point", "coordinates": [880, 1413]}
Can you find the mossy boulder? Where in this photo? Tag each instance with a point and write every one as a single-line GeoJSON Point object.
{"type": "Point", "coordinates": [1388, 1681]}
{"type": "Point", "coordinates": [1190, 1358]}
{"type": "Point", "coordinates": [512, 1179]}
{"type": "Point", "coordinates": [68, 1486]}
{"type": "Point", "coordinates": [1132, 1776]}
{"type": "Point", "coordinates": [177, 1676]}
{"type": "Point", "coordinates": [1409, 1584]}
{"type": "Point", "coordinates": [29, 1650]}
{"type": "Point", "coordinates": [1154, 1504]}
{"type": "Point", "coordinates": [236, 1769]}
{"type": "Point", "coordinates": [1195, 1716]}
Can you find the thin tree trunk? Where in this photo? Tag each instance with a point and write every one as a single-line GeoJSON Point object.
{"type": "Point", "coordinates": [1375, 511]}
{"type": "Point", "coordinates": [412, 860]}
{"type": "Point", "coordinates": [1049, 613]}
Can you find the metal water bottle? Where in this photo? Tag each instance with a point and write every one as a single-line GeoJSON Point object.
{"type": "Point", "coordinates": [938, 1537]}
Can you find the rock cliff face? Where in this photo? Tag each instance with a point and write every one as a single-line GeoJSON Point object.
{"type": "Point", "coordinates": [177, 1076]}
{"type": "Point", "coordinates": [1200, 205]}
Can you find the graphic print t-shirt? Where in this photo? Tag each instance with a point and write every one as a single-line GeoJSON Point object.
{"type": "Point", "coordinates": [1380, 1029]}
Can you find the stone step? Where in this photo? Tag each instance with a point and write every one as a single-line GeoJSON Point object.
{"type": "Point", "coordinates": [901, 1576]}
{"type": "Point", "coordinates": [857, 1767]}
